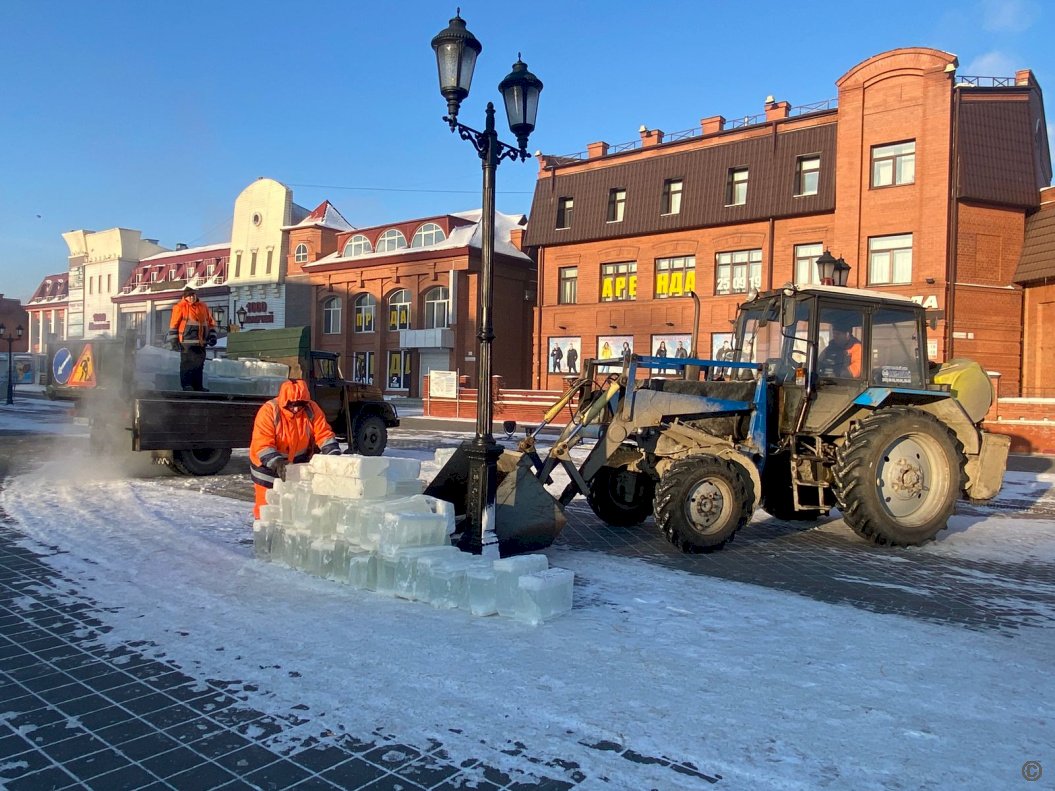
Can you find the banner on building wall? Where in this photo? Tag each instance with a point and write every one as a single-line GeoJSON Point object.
{"type": "Point", "coordinates": [722, 346]}
{"type": "Point", "coordinates": [565, 352]}
{"type": "Point", "coordinates": [674, 345]}
{"type": "Point", "coordinates": [614, 347]}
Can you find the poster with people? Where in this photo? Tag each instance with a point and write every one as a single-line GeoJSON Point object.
{"type": "Point", "coordinates": [565, 355]}
{"type": "Point", "coordinates": [676, 345]}
{"type": "Point", "coordinates": [614, 347]}
{"type": "Point", "coordinates": [722, 346]}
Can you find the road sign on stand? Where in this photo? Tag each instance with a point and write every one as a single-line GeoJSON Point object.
{"type": "Point", "coordinates": [62, 366]}
{"type": "Point", "coordinates": [84, 370]}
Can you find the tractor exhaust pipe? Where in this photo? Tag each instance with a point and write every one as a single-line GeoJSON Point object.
{"type": "Point", "coordinates": [692, 372]}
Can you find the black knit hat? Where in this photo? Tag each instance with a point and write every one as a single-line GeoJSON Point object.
{"type": "Point", "coordinates": [189, 290]}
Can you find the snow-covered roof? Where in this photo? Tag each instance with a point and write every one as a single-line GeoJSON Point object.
{"type": "Point", "coordinates": [189, 251]}
{"type": "Point", "coordinates": [461, 236]}
{"type": "Point", "coordinates": [325, 215]}
{"type": "Point", "coordinates": [52, 288]}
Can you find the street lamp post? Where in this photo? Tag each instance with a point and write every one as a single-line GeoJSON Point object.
{"type": "Point", "coordinates": [241, 313]}
{"type": "Point", "coordinates": [456, 52]}
{"type": "Point", "coordinates": [10, 360]}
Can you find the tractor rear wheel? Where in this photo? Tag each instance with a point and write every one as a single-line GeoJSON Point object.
{"type": "Point", "coordinates": [898, 475]}
{"type": "Point", "coordinates": [702, 501]}
{"type": "Point", "coordinates": [621, 497]}
{"type": "Point", "coordinates": [200, 461]}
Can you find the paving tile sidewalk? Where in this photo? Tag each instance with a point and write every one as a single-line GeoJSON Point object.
{"type": "Point", "coordinates": [74, 714]}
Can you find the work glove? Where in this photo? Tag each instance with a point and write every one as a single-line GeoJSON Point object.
{"type": "Point", "coordinates": [279, 466]}
{"type": "Point", "coordinates": [175, 344]}
{"type": "Point", "coordinates": [211, 340]}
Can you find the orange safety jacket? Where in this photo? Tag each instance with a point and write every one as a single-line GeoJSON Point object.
{"type": "Point", "coordinates": [191, 323]}
{"type": "Point", "coordinates": [279, 433]}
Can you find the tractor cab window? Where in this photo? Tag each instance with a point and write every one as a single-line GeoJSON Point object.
{"type": "Point", "coordinates": [758, 336]}
{"type": "Point", "coordinates": [839, 339]}
{"type": "Point", "coordinates": [895, 342]}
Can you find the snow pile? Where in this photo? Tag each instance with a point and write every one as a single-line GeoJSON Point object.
{"type": "Point", "coordinates": [363, 521]}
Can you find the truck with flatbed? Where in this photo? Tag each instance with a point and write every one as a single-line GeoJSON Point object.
{"type": "Point", "coordinates": [195, 432]}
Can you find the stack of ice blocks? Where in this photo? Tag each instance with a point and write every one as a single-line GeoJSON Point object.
{"type": "Point", "coordinates": [363, 521]}
{"type": "Point", "coordinates": [158, 369]}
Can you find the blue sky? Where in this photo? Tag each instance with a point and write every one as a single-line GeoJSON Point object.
{"type": "Point", "coordinates": [154, 116]}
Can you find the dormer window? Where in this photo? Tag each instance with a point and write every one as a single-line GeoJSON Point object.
{"type": "Point", "coordinates": [357, 245]}
{"type": "Point", "coordinates": [391, 240]}
{"type": "Point", "coordinates": [428, 234]}
{"type": "Point", "coordinates": [300, 255]}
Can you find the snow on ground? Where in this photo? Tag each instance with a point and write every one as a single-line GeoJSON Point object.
{"type": "Point", "coordinates": [764, 688]}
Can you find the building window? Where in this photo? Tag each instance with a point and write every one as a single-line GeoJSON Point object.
{"type": "Point", "coordinates": [399, 310]}
{"type": "Point", "coordinates": [357, 245]}
{"type": "Point", "coordinates": [736, 187]}
{"type": "Point", "coordinates": [675, 277]}
{"type": "Point", "coordinates": [391, 240]}
{"type": "Point", "coordinates": [252, 264]}
{"type": "Point", "coordinates": [616, 204]}
{"type": "Point", "coordinates": [806, 256]}
{"type": "Point", "coordinates": [894, 164]}
{"type": "Point", "coordinates": [301, 254]}
{"type": "Point", "coordinates": [398, 370]}
{"type": "Point", "coordinates": [671, 197]}
{"type": "Point", "coordinates": [619, 281]}
{"type": "Point", "coordinates": [567, 291]}
{"type": "Point", "coordinates": [565, 207]}
{"type": "Point", "coordinates": [270, 254]}
{"type": "Point", "coordinates": [428, 234]}
{"type": "Point", "coordinates": [155, 276]}
{"type": "Point", "coordinates": [437, 307]}
{"type": "Point", "coordinates": [807, 175]}
{"type": "Point", "coordinates": [238, 264]}
{"type": "Point", "coordinates": [890, 259]}
{"type": "Point", "coordinates": [210, 270]}
{"type": "Point", "coordinates": [331, 316]}
{"type": "Point", "coordinates": [91, 285]}
{"type": "Point", "coordinates": [736, 273]}
{"type": "Point", "coordinates": [363, 367]}
{"type": "Point", "coordinates": [365, 305]}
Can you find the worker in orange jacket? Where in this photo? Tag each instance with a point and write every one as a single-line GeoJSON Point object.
{"type": "Point", "coordinates": [192, 328]}
{"type": "Point", "coordinates": [288, 430]}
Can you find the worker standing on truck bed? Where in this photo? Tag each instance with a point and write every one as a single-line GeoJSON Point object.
{"type": "Point", "coordinates": [191, 329]}
{"type": "Point", "coordinates": [288, 429]}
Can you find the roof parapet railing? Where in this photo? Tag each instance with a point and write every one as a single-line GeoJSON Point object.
{"type": "Point", "coordinates": [969, 81]}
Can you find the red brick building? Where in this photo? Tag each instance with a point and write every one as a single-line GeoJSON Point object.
{"type": "Point", "coordinates": [400, 300]}
{"type": "Point", "coordinates": [920, 179]}
{"type": "Point", "coordinates": [1036, 274]}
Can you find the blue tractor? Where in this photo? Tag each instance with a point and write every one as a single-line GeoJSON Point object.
{"type": "Point", "coordinates": [826, 400]}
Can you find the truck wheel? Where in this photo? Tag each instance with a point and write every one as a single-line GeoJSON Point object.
{"type": "Point", "coordinates": [201, 461]}
{"type": "Point", "coordinates": [371, 436]}
{"type": "Point", "coordinates": [898, 475]}
{"type": "Point", "coordinates": [702, 501]}
{"type": "Point", "coordinates": [621, 497]}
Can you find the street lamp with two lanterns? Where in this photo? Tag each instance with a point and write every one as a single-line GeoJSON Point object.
{"type": "Point", "coordinates": [456, 52]}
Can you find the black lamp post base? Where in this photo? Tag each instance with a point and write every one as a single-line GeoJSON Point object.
{"type": "Point", "coordinates": [479, 533]}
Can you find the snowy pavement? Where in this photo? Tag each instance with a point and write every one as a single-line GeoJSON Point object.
{"type": "Point", "coordinates": [141, 643]}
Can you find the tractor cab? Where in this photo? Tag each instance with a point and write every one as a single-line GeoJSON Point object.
{"type": "Point", "coordinates": [828, 347]}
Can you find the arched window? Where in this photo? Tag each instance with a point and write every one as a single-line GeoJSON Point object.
{"type": "Point", "coordinates": [357, 245]}
{"type": "Point", "coordinates": [437, 307]}
{"type": "Point", "coordinates": [428, 234]}
{"type": "Point", "coordinates": [365, 305]}
{"type": "Point", "coordinates": [391, 240]}
{"type": "Point", "coordinates": [331, 316]}
{"type": "Point", "coordinates": [300, 255]}
{"type": "Point", "coordinates": [399, 310]}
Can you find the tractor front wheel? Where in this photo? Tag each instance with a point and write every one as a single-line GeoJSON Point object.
{"type": "Point", "coordinates": [702, 501]}
{"type": "Point", "coordinates": [621, 497]}
{"type": "Point", "coordinates": [898, 476]}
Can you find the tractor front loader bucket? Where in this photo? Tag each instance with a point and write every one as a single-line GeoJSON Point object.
{"type": "Point", "coordinates": [527, 517]}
